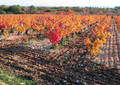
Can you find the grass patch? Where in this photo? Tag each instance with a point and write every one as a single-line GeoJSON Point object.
{"type": "Point", "coordinates": [7, 78]}
{"type": "Point", "coordinates": [66, 40]}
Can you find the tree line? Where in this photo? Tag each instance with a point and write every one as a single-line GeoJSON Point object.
{"type": "Point", "coordinates": [17, 9]}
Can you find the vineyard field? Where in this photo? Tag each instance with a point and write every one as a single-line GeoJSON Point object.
{"type": "Point", "coordinates": [69, 49]}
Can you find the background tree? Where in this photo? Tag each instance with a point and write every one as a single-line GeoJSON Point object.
{"type": "Point", "coordinates": [16, 9]}
{"type": "Point", "coordinates": [3, 9]}
{"type": "Point", "coordinates": [33, 9]}
{"type": "Point", "coordinates": [2, 12]}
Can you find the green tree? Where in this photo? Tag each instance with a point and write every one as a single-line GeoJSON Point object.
{"type": "Point", "coordinates": [16, 9]}
{"type": "Point", "coordinates": [2, 12]}
{"type": "Point", "coordinates": [3, 7]}
{"type": "Point", "coordinates": [33, 10]}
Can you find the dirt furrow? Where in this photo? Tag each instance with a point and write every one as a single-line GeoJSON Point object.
{"type": "Point", "coordinates": [111, 53]}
